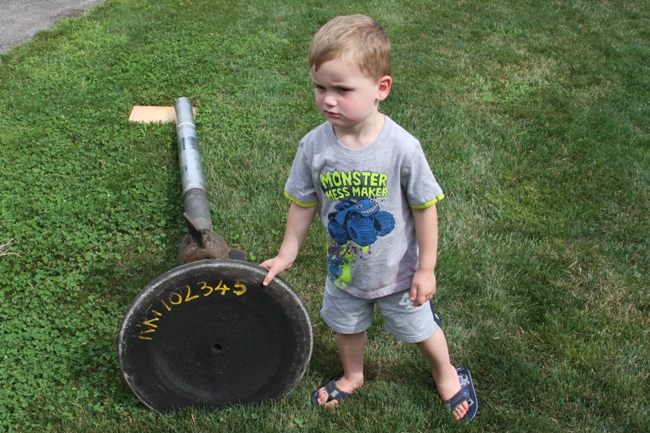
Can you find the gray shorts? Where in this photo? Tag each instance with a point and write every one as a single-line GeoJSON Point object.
{"type": "Point", "coordinates": [347, 314]}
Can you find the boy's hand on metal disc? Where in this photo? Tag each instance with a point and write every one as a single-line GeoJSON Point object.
{"type": "Point", "coordinates": [274, 266]}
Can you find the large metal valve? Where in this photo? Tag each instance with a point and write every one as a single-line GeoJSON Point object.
{"type": "Point", "coordinates": [208, 333]}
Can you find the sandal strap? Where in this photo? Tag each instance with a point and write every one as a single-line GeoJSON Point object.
{"type": "Point", "coordinates": [335, 393]}
{"type": "Point", "coordinates": [458, 399]}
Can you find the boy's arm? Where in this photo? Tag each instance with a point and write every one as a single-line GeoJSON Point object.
{"type": "Point", "coordinates": [299, 221]}
{"type": "Point", "coordinates": [426, 229]}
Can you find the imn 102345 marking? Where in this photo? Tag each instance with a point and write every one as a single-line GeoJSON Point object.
{"type": "Point", "coordinates": [150, 323]}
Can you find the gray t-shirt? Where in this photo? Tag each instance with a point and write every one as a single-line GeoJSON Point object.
{"type": "Point", "coordinates": [365, 198]}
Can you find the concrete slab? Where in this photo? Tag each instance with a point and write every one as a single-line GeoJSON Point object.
{"type": "Point", "coordinates": [147, 114]}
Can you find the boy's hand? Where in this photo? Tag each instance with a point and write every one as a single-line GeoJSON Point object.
{"type": "Point", "coordinates": [274, 266]}
{"type": "Point", "coordinates": [299, 221]}
{"type": "Point", "coordinates": [423, 287]}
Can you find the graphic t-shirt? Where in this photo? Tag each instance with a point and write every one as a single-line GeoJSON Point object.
{"type": "Point", "coordinates": [365, 198]}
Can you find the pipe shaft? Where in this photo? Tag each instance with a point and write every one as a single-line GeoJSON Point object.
{"type": "Point", "coordinates": [195, 196]}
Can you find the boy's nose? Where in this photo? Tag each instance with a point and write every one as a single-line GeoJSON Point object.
{"type": "Point", "coordinates": [329, 100]}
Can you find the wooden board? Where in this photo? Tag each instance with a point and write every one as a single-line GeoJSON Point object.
{"type": "Point", "coordinates": [144, 113]}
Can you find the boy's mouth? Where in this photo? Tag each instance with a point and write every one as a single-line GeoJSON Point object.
{"type": "Point", "coordinates": [332, 115]}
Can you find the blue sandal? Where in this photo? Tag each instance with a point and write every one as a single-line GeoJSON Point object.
{"type": "Point", "coordinates": [467, 393]}
{"type": "Point", "coordinates": [333, 391]}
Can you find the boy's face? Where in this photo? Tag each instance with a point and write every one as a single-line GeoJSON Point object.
{"type": "Point", "coordinates": [345, 96]}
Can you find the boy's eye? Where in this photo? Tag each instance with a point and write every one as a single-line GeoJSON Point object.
{"type": "Point", "coordinates": [344, 89]}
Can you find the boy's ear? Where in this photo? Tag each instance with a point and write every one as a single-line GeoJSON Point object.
{"type": "Point", "coordinates": [385, 83]}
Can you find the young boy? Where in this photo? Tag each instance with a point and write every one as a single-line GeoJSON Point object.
{"type": "Point", "coordinates": [376, 195]}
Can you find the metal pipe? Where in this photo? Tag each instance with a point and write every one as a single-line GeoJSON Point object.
{"type": "Point", "coordinates": [173, 316]}
{"type": "Point", "coordinates": [195, 195]}
{"type": "Point", "coordinates": [201, 241]}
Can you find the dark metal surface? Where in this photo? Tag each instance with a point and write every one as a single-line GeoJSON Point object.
{"type": "Point", "coordinates": [209, 334]}
{"type": "Point", "coordinates": [199, 244]}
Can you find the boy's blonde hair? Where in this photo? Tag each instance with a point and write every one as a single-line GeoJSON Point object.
{"type": "Point", "coordinates": [358, 38]}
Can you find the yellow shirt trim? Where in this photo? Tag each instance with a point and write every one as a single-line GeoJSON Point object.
{"type": "Point", "coordinates": [429, 203]}
{"type": "Point", "coordinates": [300, 203]}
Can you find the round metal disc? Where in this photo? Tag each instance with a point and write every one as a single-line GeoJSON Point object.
{"type": "Point", "coordinates": [209, 334]}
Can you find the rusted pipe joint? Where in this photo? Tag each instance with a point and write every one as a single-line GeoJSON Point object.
{"type": "Point", "coordinates": [199, 244]}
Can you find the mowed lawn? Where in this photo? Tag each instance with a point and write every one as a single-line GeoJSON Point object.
{"type": "Point", "coordinates": [535, 117]}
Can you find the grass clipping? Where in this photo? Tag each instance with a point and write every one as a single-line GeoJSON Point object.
{"type": "Point", "coordinates": [4, 249]}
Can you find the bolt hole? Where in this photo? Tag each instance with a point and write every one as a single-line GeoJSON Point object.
{"type": "Point", "coordinates": [217, 347]}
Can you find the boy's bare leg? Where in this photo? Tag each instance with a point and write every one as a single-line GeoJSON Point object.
{"type": "Point", "coordinates": [351, 350]}
{"type": "Point", "coordinates": [436, 351]}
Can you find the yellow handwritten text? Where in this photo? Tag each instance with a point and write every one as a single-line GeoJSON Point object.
{"type": "Point", "coordinates": [151, 321]}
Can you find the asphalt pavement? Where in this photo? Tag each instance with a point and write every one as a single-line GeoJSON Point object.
{"type": "Point", "coordinates": [20, 19]}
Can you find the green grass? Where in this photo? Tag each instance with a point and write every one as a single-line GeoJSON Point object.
{"type": "Point", "coordinates": [536, 121]}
